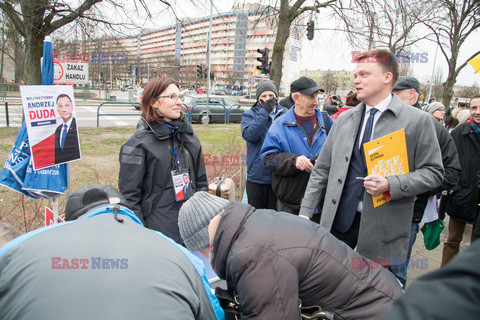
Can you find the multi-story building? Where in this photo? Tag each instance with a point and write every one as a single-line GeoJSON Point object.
{"type": "Point", "coordinates": [176, 50]}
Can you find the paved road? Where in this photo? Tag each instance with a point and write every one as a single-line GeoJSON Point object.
{"type": "Point", "coordinates": [86, 114]}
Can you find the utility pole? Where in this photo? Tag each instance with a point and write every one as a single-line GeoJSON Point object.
{"type": "Point", "coordinates": [208, 55]}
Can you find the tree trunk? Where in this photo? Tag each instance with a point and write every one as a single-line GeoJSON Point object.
{"type": "Point", "coordinates": [448, 88]}
{"type": "Point", "coordinates": [2, 58]}
{"type": "Point", "coordinates": [19, 54]}
{"type": "Point", "coordinates": [283, 32]}
{"type": "Point", "coordinates": [33, 54]}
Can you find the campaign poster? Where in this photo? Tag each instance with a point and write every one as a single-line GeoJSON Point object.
{"type": "Point", "coordinates": [386, 156]}
{"type": "Point", "coordinates": [180, 183]}
{"type": "Point", "coordinates": [51, 124]}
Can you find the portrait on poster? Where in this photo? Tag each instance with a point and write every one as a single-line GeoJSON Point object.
{"type": "Point", "coordinates": [51, 124]}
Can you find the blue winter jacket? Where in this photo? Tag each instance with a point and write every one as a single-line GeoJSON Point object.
{"type": "Point", "coordinates": [286, 135]}
{"type": "Point", "coordinates": [255, 124]}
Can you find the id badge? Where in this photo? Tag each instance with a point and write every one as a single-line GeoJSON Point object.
{"type": "Point", "coordinates": [181, 185]}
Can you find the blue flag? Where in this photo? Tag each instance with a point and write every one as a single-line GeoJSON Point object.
{"type": "Point", "coordinates": [17, 174]}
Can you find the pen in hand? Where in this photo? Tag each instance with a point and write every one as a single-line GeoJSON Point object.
{"type": "Point", "coordinates": [363, 178]}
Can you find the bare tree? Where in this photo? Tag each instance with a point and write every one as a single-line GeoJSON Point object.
{"type": "Point", "coordinates": [329, 82]}
{"type": "Point", "coordinates": [33, 20]}
{"type": "Point", "coordinates": [389, 24]}
{"type": "Point", "coordinates": [455, 22]}
{"type": "Point", "coordinates": [468, 92]}
{"type": "Point", "coordinates": [287, 13]}
{"type": "Point", "coordinates": [12, 47]}
{"type": "Point", "coordinates": [437, 87]}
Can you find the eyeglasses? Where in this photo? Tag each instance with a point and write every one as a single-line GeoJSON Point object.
{"type": "Point", "coordinates": [174, 97]}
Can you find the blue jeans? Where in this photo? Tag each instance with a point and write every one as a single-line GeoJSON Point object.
{"type": "Point", "coordinates": [400, 271]}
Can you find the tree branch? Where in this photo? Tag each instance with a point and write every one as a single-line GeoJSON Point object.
{"type": "Point", "coordinates": [79, 12]}
{"type": "Point", "coordinates": [14, 16]}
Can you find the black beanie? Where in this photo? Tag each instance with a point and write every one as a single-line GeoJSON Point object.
{"type": "Point", "coordinates": [266, 85]}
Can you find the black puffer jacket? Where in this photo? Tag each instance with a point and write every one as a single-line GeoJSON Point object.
{"type": "Point", "coordinates": [462, 203]}
{"type": "Point", "coordinates": [146, 162]}
{"type": "Point", "coordinates": [272, 259]}
{"type": "Point", "coordinates": [288, 182]}
{"type": "Point", "coordinates": [451, 164]}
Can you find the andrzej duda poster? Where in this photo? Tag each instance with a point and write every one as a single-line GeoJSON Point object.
{"type": "Point", "coordinates": [51, 124]}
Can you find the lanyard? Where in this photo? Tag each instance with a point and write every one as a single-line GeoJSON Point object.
{"type": "Point", "coordinates": [173, 144]}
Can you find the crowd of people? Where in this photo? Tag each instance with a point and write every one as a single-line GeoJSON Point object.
{"type": "Point", "coordinates": [310, 235]}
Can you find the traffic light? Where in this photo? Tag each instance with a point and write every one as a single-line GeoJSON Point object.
{"type": "Point", "coordinates": [265, 66]}
{"type": "Point", "coordinates": [156, 74]}
{"type": "Point", "coordinates": [310, 29]}
{"type": "Point", "coordinates": [199, 70]}
{"type": "Point", "coordinates": [129, 70]}
{"type": "Point", "coordinates": [212, 76]}
{"type": "Point", "coordinates": [205, 72]}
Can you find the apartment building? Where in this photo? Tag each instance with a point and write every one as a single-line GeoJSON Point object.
{"type": "Point", "coordinates": [176, 50]}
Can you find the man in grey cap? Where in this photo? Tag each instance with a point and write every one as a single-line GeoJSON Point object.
{"type": "Point", "coordinates": [276, 262]}
{"type": "Point", "coordinates": [293, 142]}
{"type": "Point", "coordinates": [408, 90]}
{"type": "Point", "coordinates": [255, 124]}
{"type": "Point", "coordinates": [102, 264]}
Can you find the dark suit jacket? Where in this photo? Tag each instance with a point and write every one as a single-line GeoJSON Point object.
{"type": "Point", "coordinates": [71, 150]}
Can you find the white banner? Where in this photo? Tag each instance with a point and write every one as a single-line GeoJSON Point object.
{"type": "Point", "coordinates": [70, 71]}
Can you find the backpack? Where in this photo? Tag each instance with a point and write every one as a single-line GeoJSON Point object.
{"type": "Point", "coordinates": [326, 120]}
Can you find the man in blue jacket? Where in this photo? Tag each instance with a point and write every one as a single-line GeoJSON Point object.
{"type": "Point", "coordinates": [255, 124]}
{"type": "Point", "coordinates": [104, 264]}
{"type": "Point", "coordinates": [292, 144]}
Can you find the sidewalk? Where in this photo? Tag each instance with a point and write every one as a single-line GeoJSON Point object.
{"type": "Point", "coordinates": [424, 261]}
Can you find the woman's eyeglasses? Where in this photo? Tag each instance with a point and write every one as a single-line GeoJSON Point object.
{"type": "Point", "coordinates": [174, 97]}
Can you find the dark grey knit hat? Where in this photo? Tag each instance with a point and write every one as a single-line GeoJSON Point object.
{"type": "Point", "coordinates": [266, 85]}
{"type": "Point", "coordinates": [195, 216]}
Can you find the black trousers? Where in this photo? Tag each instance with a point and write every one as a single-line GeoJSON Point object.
{"type": "Point", "coordinates": [261, 196]}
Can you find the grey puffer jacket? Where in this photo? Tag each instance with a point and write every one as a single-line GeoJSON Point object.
{"type": "Point", "coordinates": [145, 179]}
{"type": "Point", "coordinates": [272, 259]}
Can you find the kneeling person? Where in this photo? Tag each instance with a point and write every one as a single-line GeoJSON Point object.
{"type": "Point", "coordinates": [272, 259]}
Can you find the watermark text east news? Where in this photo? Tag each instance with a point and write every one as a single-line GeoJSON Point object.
{"type": "Point", "coordinates": [94, 263]}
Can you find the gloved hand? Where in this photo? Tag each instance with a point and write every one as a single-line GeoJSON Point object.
{"type": "Point", "coordinates": [268, 105]}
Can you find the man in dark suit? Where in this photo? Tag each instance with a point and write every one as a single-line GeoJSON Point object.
{"type": "Point", "coordinates": [340, 178]}
{"type": "Point", "coordinates": [66, 137]}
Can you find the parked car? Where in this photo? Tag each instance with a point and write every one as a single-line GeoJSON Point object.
{"type": "Point", "coordinates": [219, 92]}
{"type": "Point", "coordinates": [217, 108]}
{"type": "Point", "coordinates": [187, 92]}
{"type": "Point", "coordinates": [251, 96]}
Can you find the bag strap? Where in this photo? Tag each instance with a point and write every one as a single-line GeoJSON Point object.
{"type": "Point", "coordinates": [314, 312]}
{"type": "Point", "coordinates": [326, 121]}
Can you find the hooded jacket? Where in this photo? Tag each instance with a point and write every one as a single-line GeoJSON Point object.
{"type": "Point", "coordinates": [146, 162]}
{"type": "Point", "coordinates": [255, 124]}
{"type": "Point", "coordinates": [264, 260]}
